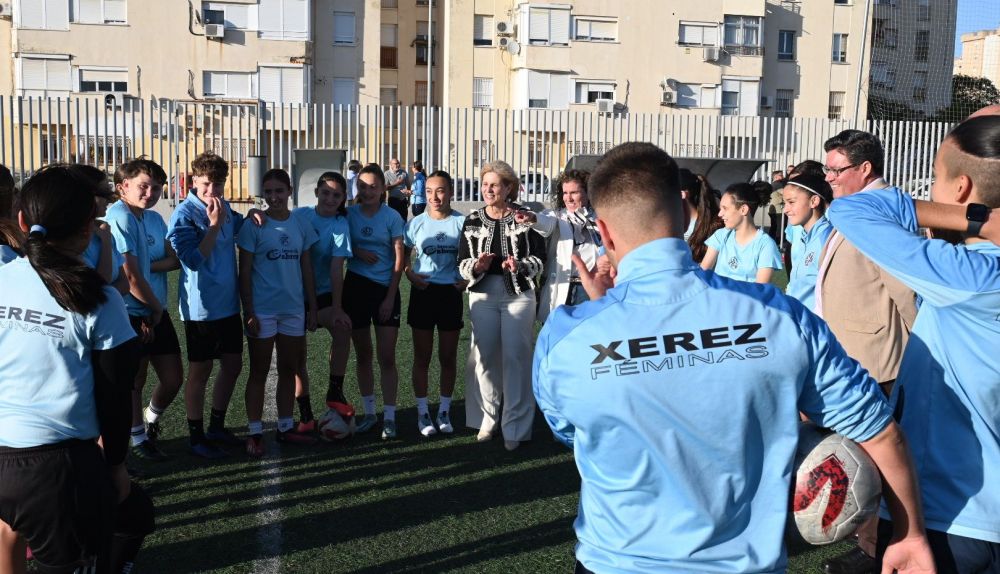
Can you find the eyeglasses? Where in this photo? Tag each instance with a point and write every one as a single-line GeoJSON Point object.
{"type": "Point", "coordinates": [836, 171]}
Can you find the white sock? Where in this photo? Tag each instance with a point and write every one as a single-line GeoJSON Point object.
{"type": "Point", "coordinates": [445, 404]}
{"type": "Point", "coordinates": [139, 434]}
{"type": "Point", "coordinates": [285, 424]}
{"type": "Point", "coordinates": [389, 412]}
{"type": "Point", "coordinates": [153, 413]}
{"type": "Point", "coordinates": [255, 427]}
{"type": "Point", "coordinates": [422, 406]}
{"type": "Point", "coordinates": [369, 403]}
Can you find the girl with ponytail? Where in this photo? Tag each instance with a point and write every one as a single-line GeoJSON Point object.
{"type": "Point", "coordinates": [65, 379]}
{"type": "Point", "coordinates": [10, 235]}
{"type": "Point", "coordinates": [702, 208]}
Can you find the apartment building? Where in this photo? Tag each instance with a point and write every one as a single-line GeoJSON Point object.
{"type": "Point", "coordinates": [712, 57]}
{"type": "Point", "coordinates": [980, 55]}
{"type": "Point", "coordinates": [913, 52]}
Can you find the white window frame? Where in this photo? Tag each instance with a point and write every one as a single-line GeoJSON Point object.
{"type": "Point", "coordinates": [79, 71]}
{"type": "Point", "coordinates": [486, 28]}
{"type": "Point", "coordinates": [586, 86]}
{"type": "Point", "coordinates": [231, 77]}
{"type": "Point", "coordinates": [741, 27]}
{"type": "Point", "coordinates": [74, 16]}
{"type": "Point", "coordinates": [228, 10]}
{"type": "Point", "coordinates": [482, 92]}
{"type": "Point", "coordinates": [552, 35]}
{"type": "Point", "coordinates": [702, 28]}
{"type": "Point", "coordinates": [581, 23]}
{"type": "Point", "coordinates": [306, 82]}
{"type": "Point", "coordinates": [282, 33]}
{"type": "Point", "coordinates": [747, 99]}
{"type": "Point", "coordinates": [47, 92]}
{"type": "Point", "coordinates": [342, 39]}
{"type": "Point", "coordinates": [838, 52]}
{"type": "Point", "coordinates": [49, 21]}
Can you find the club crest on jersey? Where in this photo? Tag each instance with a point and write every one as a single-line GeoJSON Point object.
{"type": "Point", "coordinates": [367, 231]}
{"type": "Point", "coordinates": [734, 263]}
{"type": "Point", "coordinates": [440, 236]}
{"type": "Point", "coordinates": [810, 257]}
{"type": "Point", "coordinates": [150, 240]}
{"type": "Point", "coordinates": [284, 240]}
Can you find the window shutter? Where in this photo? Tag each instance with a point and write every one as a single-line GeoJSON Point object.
{"type": "Point", "coordinates": [32, 74]}
{"type": "Point", "coordinates": [343, 28]}
{"type": "Point", "coordinates": [710, 35]}
{"type": "Point", "coordinates": [56, 14]}
{"type": "Point", "coordinates": [560, 26]}
{"type": "Point", "coordinates": [538, 85]}
{"type": "Point", "coordinates": [237, 16]}
{"type": "Point", "coordinates": [389, 35]}
{"type": "Point", "coordinates": [602, 30]}
{"type": "Point", "coordinates": [88, 11]}
{"type": "Point", "coordinates": [691, 34]}
{"type": "Point", "coordinates": [292, 85]}
{"type": "Point", "coordinates": [57, 75]}
{"type": "Point", "coordinates": [296, 19]}
{"type": "Point", "coordinates": [115, 11]}
{"type": "Point", "coordinates": [343, 91]}
{"type": "Point", "coordinates": [269, 18]}
{"type": "Point", "coordinates": [538, 25]}
{"type": "Point", "coordinates": [749, 98]}
{"type": "Point", "coordinates": [558, 91]}
{"type": "Point", "coordinates": [212, 83]}
{"type": "Point", "coordinates": [269, 84]}
{"type": "Point", "coordinates": [30, 14]}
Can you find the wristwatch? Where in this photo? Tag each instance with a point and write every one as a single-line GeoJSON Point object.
{"type": "Point", "coordinates": [977, 214]}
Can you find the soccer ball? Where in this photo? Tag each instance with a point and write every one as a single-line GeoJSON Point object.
{"type": "Point", "coordinates": [837, 486]}
{"type": "Point", "coordinates": [337, 423]}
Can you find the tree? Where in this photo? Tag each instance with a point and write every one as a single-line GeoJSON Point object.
{"type": "Point", "coordinates": [968, 94]}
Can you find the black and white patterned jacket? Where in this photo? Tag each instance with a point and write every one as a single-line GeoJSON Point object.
{"type": "Point", "coordinates": [519, 240]}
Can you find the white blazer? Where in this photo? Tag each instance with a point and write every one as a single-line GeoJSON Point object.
{"type": "Point", "coordinates": [558, 233]}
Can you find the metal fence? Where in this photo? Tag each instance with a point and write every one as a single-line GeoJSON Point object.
{"type": "Point", "coordinates": [107, 130]}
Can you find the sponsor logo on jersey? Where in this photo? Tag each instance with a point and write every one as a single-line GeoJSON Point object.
{"type": "Point", "coordinates": [32, 321]}
{"type": "Point", "coordinates": [678, 350]}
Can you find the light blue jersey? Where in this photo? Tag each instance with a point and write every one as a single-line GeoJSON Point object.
{"type": "Point", "coordinates": [948, 387]}
{"type": "Point", "coordinates": [7, 254]}
{"type": "Point", "coordinates": [130, 237]}
{"type": "Point", "coordinates": [742, 262]}
{"type": "Point", "coordinates": [208, 286]}
{"type": "Point", "coordinates": [92, 256]}
{"type": "Point", "coordinates": [374, 234]}
{"type": "Point", "coordinates": [806, 249]}
{"type": "Point", "coordinates": [156, 238]}
{"type": "Point", "coordinates": [333, 240]}
{"type": "Point", "coordinates": [634, 383]}
{"type": "Point", "coordinates": [46, 378]}
{"type": "Point", "coordinates": [435, 243]}
{"type": "Point", "coordinates": [277, 248]}
{"type": "Point", "coordinates": [419, 189]}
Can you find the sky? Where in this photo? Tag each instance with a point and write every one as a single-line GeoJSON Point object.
{"type": "Point", "coordinates": [975, 15]}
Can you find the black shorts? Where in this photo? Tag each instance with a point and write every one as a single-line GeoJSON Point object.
{"type": "Point", "coordinates": [361, 300]}
{"type": "Point", "coordinates": [164, 336]}
{"type": "Point", "coordinates": [209, 340]}
{"type": "Point", "coordinates": [438, 306]}
{"type": "Point", "coordinates": [323, 300]}
{"type": "Point", "coordinates": [60, 498]}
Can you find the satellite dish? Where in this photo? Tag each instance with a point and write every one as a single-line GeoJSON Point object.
{"type": "Point", "coordinates": [513, 47]}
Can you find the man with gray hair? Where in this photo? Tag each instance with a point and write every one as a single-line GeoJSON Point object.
{"type": "Point", "coordinates": [396, 181]}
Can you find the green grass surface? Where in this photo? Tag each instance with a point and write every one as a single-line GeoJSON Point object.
{"type": "Point", "coordinates": [444, 504]}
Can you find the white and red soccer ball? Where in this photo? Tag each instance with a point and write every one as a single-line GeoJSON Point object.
{"type": "Point", "coordinates": [837, 486]}
{"type": "Point", "coordinates": [337, 423]}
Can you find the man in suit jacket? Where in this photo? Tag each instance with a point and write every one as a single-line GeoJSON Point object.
{"type": "Point", "coordinates": [869, 311]}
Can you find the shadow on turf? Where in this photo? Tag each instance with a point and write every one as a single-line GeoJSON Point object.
{"type": "Point", "coordinates": [330, 496]}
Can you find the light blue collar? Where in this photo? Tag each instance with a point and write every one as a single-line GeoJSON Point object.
{"type": "Point", "coordinates": [654, 256]}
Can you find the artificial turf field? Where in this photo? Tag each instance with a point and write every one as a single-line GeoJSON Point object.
{"type": "Point", "coordinates": [414, 504]}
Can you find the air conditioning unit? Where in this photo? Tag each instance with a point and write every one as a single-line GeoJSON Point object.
{"type": "Point", "coordinates": [504, 28]}
{"type": "Point", "coordinates": [504, 42]}
{"type": "Point", "coordinates": [668, 98]}
{"type": "Point", "coordinates": [114, 101]}
{"type": "Point", "coordinates": [215, 31]}
{"type": "Point", "coordinates": [605, 106]}
{"type": "Point", "coordinates": [6, 11]}
{"type": "Point", "coordinates": [213, 17]}
{"type": "Point", "coordinates": [765, 101]}
{"type": "Point", "coordinates": [711, 54]}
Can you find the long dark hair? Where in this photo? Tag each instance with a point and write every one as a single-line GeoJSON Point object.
{"type": "Point", "coordinates": [58, 203]}
{"type": "Point", "coordinates": [339, 180]}
{"type": "Point", "coordinates": [701, 196]}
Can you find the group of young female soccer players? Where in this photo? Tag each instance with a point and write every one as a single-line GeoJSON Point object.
{"type": "Point", "coordinates": [94, 262]}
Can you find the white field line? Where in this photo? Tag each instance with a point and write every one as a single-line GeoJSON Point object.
{"type": "Point", "coordinates": [270, 516]}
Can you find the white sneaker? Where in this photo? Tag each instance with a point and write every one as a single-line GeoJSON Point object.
{"type": "Point", "coordinates": [425, 426]}
{"type": "Point", "coordinates": [444, 423]}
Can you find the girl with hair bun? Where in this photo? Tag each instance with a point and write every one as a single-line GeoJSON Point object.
{"type": "Point", "coordinates": [740, 250]}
